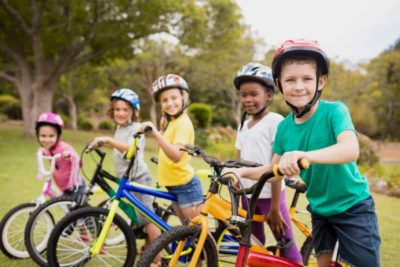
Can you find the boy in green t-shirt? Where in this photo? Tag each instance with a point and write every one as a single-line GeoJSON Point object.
{"type": "Point", "coordinates": [322, 132]}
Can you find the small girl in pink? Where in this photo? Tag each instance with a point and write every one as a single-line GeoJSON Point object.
{"type": "Point", "coordinates": [66, 173]}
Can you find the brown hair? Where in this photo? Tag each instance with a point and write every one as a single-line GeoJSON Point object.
{"type": "Point", "coordinates": [110, 111]}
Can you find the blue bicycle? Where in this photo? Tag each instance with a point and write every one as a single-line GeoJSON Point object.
{"type": "Point", "coordinates": [87, 235]}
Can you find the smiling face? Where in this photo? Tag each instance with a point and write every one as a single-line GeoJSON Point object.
{"type": "Point", "coordinates": [171, 101]}
{"type": "Point", "coordinates": [298, 81]}
{"type": "Point", "coordinates": [253, 97]}
{"type": "Point", "coordinates": [48, 136]}
{"type": "Point", "coordinates": [122, 112]}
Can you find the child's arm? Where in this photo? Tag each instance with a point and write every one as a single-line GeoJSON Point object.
{"type": "Point", "coordinates": [345, 150]}
{"type": "Point", "coordinates": [110, 143]}
{"type": "Point", "coordinates": [172, 151]}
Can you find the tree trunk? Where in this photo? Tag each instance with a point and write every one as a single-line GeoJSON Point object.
{"type": "Point", "coordinates": [72, 110]}
{"type": "Point", "coordinates": [35, 99]}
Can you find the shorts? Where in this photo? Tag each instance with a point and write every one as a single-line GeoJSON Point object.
{"type": "Point", "coordinates": [147, 200]}
{"type": "Point", "coordinates": [189, 194]}
{"type": "Point", "coordinates": [357, 232]}
{"type": "Point", "coordinates": [76, 192]}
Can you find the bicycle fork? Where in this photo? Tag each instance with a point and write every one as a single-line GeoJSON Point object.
{"type": "Point", "coordinates": [99, 242]}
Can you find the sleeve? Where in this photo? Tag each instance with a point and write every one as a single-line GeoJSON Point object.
{"type": "Point", "coordinates": [74, 177]}
{"type": "Point", "coordinates": [183, 133]}
{"type": "Point", "coordinates": [341, 119]}
{"type": "Point", "coordinates": [237, 142]}
{"type": "Point", "coordinates": [277, 146]}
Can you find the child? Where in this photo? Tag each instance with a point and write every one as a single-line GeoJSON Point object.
{"type": "Point", "coordinates": [174, 170]}
{"type": "Point", "coordinates": [124, 110]}
{"type": "Point", "coordinates": [66, 173]}
{"type": "Point", "coordinates": [254, 143]}
{"type": "Point", "coordinates": [322, 132]}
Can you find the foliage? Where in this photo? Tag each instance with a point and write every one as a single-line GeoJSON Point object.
{"type": "Point", "coordinates": [84, 123]}
{"type": "Point", "coordinates": [368, 151]}
{"type": "Point", "coordinates": [10, 106]}
{"type": "Point", "coordinates": [105, 125]}
{"type": "Point", "coordinates": [201, 138]}
{"type": "Point", "coordinates": [200, 114]}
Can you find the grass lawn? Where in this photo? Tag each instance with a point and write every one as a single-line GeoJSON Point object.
{"type": "Point", "coordinates": [19, 185]}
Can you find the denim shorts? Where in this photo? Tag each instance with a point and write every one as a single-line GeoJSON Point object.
{"type": "Point", "coordinates": [357, 232]}
{"type": "Point", "coordinates": [189, 194]}
{"type": "Point", "coordinates": [76, 192]}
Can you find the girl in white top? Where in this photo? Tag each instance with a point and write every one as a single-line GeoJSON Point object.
{"type": "Point", "coordinates": [254, 143]}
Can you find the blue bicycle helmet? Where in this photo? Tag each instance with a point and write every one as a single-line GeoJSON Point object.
{"type": "Point", "coordinates": [127, 95]}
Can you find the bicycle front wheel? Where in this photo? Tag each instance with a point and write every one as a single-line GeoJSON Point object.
{"type": "Point", "coordinates": [168, 241]}
{"type": "Point", "coordinates": [71, 240]}
{"type": "Point", "coordinates": [41, 223]}
{"type": "Point", "coordinates": [12, 231]}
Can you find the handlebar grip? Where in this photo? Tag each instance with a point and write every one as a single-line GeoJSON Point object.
{"type": "Point", "coordinates": [302, 163]}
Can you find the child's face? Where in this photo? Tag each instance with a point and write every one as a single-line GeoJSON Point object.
{"type": "Point", "coordinates": [122, 112]}
{"type": "Point", "coordinates": [47, 136]}
{"type": "Point", "coordinates": [298, 81]}
{"type": "Point", "coordinates": [171, 101]}
{"type": "Point", "coordinates": [253, 97]}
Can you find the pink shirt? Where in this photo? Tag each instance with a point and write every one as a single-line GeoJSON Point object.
{"type": "Point", "coordinates": [66, 174]}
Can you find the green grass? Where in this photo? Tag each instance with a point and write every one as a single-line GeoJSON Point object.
{"type": "Point", "coordinates": [19, 185]}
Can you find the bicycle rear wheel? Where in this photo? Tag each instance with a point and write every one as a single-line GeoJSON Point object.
{"type": "Point", "coordinates": [168, 242]}
{"type": "Point", "coordinates": [12, 231]}
{"type": "Point", "coordinates": [74, 235]}
{"type": "Point", "coordinates": [42, 222]}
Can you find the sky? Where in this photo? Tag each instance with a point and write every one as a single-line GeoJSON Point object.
{"type": "Point", "coordinates": [353, 30]}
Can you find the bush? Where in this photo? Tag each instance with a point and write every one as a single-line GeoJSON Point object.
{"type": "Point", "coordinates": [10, 106]}
{"type": "Point", "coordinates": [201, 138]}
{"type": "Point", "coordinates": [105, 125]}
{"type": "Point", "coordinates": [368, 151]}
{"type": "Point", "coordinates": [85, 124]}
{"type": "Point", "coordinates": [200, 114]}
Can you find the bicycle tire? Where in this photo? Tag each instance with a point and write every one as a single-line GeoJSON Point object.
{"type": "Point", "coordinates": [87, 222]}
{"type": "Point", "coordinates": [163, 242]}
{"type": "Point", "coordinates": [43, 220]}
{"type": "Point", "coordinates": [14, 248]}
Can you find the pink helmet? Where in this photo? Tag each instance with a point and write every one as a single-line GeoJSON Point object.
{"type": "Point", "coordinates": [49, 118]}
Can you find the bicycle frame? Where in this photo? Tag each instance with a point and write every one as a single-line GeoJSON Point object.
{"type": "Point", "coordinates": [123, 193]}
{"type": "Point", "coordinates": [48, 189]}
{"type": "Point", "coordinates": [246, 257]}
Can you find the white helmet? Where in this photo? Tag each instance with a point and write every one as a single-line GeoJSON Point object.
{"type": "Point", "coordinates": [257, 73]}
{"type": "Point", "coordinates": [168, 81]}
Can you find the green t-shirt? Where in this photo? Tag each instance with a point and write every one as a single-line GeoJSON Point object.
{"type": "Point", "coordinates": [331, 188]}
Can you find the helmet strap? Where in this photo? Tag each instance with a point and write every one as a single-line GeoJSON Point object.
{"type": "Point", "coordinates": [307, 108]}
{"type": "Point", "coordinates": [242, 120]}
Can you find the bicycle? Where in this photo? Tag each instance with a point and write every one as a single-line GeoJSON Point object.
{"type": "Point", "coordinates": [11, 232]}
{"type": "Point", "coordinates": [98, 221]}
{"type": "Point", "coordinates": [44, 218]}
{"type": "Point", "coordinates": [199, 246]}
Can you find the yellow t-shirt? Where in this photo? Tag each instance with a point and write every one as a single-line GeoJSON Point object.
{"type": "Point", "coordinates": [179, 131]}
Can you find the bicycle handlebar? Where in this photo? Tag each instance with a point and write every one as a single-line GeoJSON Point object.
{"type": "Point", "coordinates": [41, 168]}
{"type": "Point", "coordinates": [197, 151]}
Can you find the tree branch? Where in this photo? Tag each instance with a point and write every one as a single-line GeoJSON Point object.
{"type": "Point", "coordinates": [8, 77]}
{"type": "Point", "coordinates": [16, 16]}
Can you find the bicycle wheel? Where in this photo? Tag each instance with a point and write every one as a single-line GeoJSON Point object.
{"type": "Point", "coordinates": [169, 240]}
{"type": "Point", "coordinates": [227, 240]}
{"type": "Point", "coordinates": [12, 231]}
{"type": "Point", "coordinates": [41, 223]}
{"type": "Point", "coordinates": [71, 240]}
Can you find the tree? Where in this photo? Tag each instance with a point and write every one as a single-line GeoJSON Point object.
{"type": "Point", "coordinates": [42, 40]}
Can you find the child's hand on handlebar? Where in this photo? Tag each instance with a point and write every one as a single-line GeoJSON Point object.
{"type": "Point", "coordinates": [98, 142]}
{"type": "Point", "coordinates": [234, 174]}
{"type": "Point", "coordinates": [288, 163]}
{"type": "Point", "coordinates": [148, 128]}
